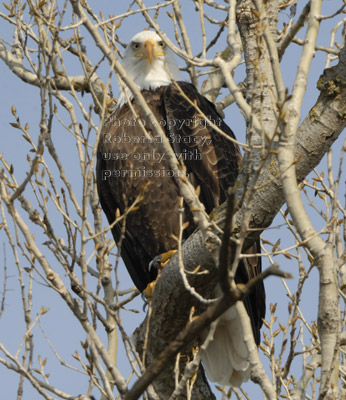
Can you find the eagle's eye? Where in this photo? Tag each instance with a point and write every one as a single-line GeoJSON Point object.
{"type": "Point", "coordinates": [161, 44]}
{"type": "Point", "coordinates": [135, 46]}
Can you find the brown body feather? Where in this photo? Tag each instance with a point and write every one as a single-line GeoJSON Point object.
{"type": "Point", "coordinates": [129, 166]}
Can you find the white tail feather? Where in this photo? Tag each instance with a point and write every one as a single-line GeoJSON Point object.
{"type": "Point", "coordinates": [226, 358]}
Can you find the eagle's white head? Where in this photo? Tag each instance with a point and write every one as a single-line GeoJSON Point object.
{"type": "Point", "coordinates": [149, 63]}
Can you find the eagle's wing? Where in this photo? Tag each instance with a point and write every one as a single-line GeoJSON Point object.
{"type": "Point", "coordinates": [135, 168]}
{"type": "Point", "coordinates": [255, 302]}
{"type": "Point", "coordinates": [212, 161]}
{"type": "Point", "coordinates": [134, 255]}
{"type": "Point", "coordinates": [214, 166]}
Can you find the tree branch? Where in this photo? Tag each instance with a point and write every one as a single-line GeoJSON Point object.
{"type": "Point", "coordinates": [79, 82]}
{"type": "Point", "coordinates": [194, 328]}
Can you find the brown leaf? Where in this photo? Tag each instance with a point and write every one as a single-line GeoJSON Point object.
{"type": "Point", "coordinates": [9, 9]}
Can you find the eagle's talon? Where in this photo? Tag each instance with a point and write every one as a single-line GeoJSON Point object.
{"type": "Point", "coordinates": [155, 263]}
{"type": "Point", "coordinates": [145, 300]}
{"type": "Point", "coordinates": [148, 293]}
{"type": "Point", "coordinates": [165, 257]}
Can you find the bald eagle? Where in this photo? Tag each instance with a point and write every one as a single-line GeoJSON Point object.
{"type": "Point", "coordinates": [129, 167]}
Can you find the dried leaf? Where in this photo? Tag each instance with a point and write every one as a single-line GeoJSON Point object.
{"type": "Point", "coordinates": [44, 310]}
{"type": "Point", "coordinates": [27, 139]}
{"type": "Point", "coordinates": [283, 328]}
{"type": "Point", "coordinates": [36, 370]}
{"type": "Point", "coordinates": [256, 13]}
{"type": "Point", "coordinates": [41, 3]}
{"type": "Point", "coordinates": [9, 9]}
{"type": "Point", "coordinates": [174, 237]}
{"type": "Point", "coordinates": [266, 323]}
{"type": "Point", "coordinates": [84, 344]}
{"type": "Point", "coordinates": [273, 308]}
{"type": "Point", "coordinates": [276, 332]}
{"type": "Point", "coordinates": [262, 348]}
{"type": "Point", "coordinates": [276, 245]}
{"type": "Point", "coordinates": [186, 224]}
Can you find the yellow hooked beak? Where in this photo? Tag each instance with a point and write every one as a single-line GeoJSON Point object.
{"type": "Point", "coordinates": [150, 51]}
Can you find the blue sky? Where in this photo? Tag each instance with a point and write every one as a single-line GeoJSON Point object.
{"type": "Point", "coordinates": [58, 324]}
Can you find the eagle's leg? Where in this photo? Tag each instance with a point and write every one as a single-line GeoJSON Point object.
{"type": "Point", "coordinates": [157, 263]}
{"type": "Point", "coordinates": [161, 260]}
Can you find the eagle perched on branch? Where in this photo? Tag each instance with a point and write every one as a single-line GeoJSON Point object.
{"type": "Point", "coordinates": [132, 172]}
